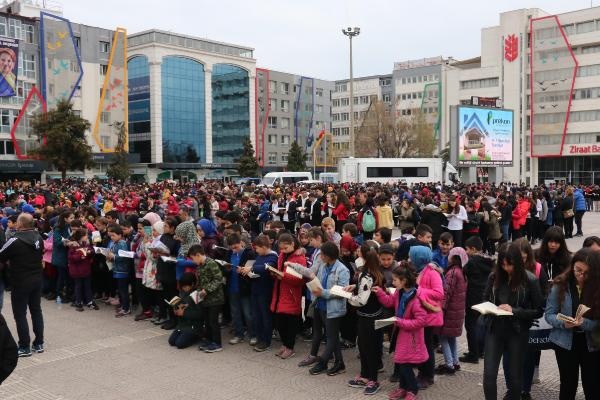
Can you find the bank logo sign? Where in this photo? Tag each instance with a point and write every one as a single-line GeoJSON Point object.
{"type": "Point", "coordinates": [511, 48]}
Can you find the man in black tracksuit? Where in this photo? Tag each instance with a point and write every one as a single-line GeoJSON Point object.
{"type": "Point", "coordinates": [24, 253]}
{"type": "Point", "coordinates": [8, 351]}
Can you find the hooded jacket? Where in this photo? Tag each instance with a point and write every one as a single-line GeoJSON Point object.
{"type": "Point", "coordinates": [24, 251]}
{"type": "Point", "coordinates": [477, 271]}
{"type": "Point", "coordinates": [435, 218]}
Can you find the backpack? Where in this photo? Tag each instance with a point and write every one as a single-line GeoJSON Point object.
{"type": "Point", "coordinates": [368, 221]}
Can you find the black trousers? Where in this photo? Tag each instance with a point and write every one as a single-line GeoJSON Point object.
{"type": "Point", "coordinates": [211, 319]}
{"type": "Point", "coordinates": [497, 342]}
{"type": "Point", "coordinates": [578, 218]}
{"type": "Point", "coordinates": [426, 369]}
{"type": "Point", "coordinates": [471, 318]}
{"type": "Point", "coordinates": [569, 362]}
{"type": "Point", "coordinates": [568, 224]}
{"type": "Point", "coordinates": [21, 299]}
{"type": "Point", "coordinates": [169, 290]}
{"type": "Point", "coordinates": [332, 333]}
{"type": "Point", "coordinates": [369, 347]}
{"type": "Point", "coordinates": [287, 325]}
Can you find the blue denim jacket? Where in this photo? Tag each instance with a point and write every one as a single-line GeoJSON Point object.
{"type": "Point", "coordinates": [339, 275]}
{"type": "Point", "coordinates": [560, 335]}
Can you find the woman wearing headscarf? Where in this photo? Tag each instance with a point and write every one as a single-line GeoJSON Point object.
{"type": "Point", "coordinates": [208, 236]}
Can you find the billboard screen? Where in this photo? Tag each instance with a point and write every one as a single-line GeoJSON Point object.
{"type": "Point", "coordinates": [9, 52]}
{"type": "Point", "coordinates": [485, 137]}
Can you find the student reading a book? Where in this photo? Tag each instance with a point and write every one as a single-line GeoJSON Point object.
{"type": "Point", "coordinates": [80, 269]}
{"type": "Point", "coordinates": [239, 290]}
{"type": "Point", "coordinates": [152, 287]}
{"type": "Point", "coordinates": [210, 289]}
{"type": "Point", "coordinates": [188, 312]}
{"type": "Point", "coordinates": [455, 293]}
{"type": "Point", "coordinates": [261, 288]}
{"type": "Point", "coordinates": [121, 268]}
{"type": "Point", "coordinates": [411, 318]}
{"type": "Point", "coordinates": [513, 289]}
{"type": "Point", "coordinates": [165, 271]}
{"type": "Point", "coordinates": [575, 348]}
{"type": "Point", "coordinates": [368, 309]}
{"type": "Point", "coordinates": [328, 310]}
{"type": "Point", "coordinates": [286, 299]}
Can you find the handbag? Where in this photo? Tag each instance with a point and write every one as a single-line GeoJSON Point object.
{"type": "Point", "coordinates": [539, 335]}
{"type": "Point", "coordinates": [568, 213]}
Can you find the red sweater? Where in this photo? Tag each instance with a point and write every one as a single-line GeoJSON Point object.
{"type": "Point", "coordinates": [287, 291]}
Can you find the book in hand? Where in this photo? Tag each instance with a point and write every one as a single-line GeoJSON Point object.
{"type": "Point", "coordinates": [273, 270]}
{"type": "Point", "coordinates": [380, 323]}
{"type": "Point", "coordinates": [168, 259]}
{"type": "Point", "coordinates": [159, 247]}
{"type": "Point", "coordinates": [301, 270]}
{"type": "Point", "coordinates": [196, 297]}
{"type": "Point", "coordinates": [314, 284]}
{"type": "Point", "coordinates": [174, 302]}
{"type": "Point", "coordinates": [126, 254]}
{"type": "Point", "coordinates": [490, 308]}
{"type": "Point", "coordinates": [339, 291]}
{"type": "Point", "coordinates": [102, 250]}
{"type": "Point", "coordinates": [582, 309]}
{"type": "Point", "coordinates": [224, 264]}
{"type": "Point", "coordinates": [391, 290]}
{"type": "Point", "coordinates": [293, 272]}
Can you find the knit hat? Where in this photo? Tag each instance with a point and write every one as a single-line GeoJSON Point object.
{"type": "Point", "coordinates": [28, 208]}
{"type": "Point", "coordinates": [159, 227]}
{"type": "Point", "coordinates": [420, 256]}
{"type": "Point", "coordinates": [348, 243]}
{"type": "Point", "coordinates": [152, 218]}
{"type": "Point", "coordinates": [460, 252]}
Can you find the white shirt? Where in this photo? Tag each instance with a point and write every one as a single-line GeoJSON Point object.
{"type": "Point", "coordinates": [456, 221]}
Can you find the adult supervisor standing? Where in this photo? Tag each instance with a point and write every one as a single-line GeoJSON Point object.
{"type": "Point", "coordinates": [24, 255]}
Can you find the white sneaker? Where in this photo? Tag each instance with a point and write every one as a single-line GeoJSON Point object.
{"type": "Point", "coordinates": [253, 341]}
{"type": "Point", "coordinates": [236, 340]}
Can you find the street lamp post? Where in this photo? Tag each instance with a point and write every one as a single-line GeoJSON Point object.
{"type": "Point", "coordinates": [351, 32]}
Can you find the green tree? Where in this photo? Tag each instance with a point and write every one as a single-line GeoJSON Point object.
{"type": "Point", "coordinates": [247, 164]}
{"type": "Point", "coordinates": [65, 145]}
{"type": "Point", "coordinates": [119, 169]}
{"type": "Point", "coordinates": [296, 158]}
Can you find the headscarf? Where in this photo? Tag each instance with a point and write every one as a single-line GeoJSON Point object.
{"type": "Point", "coordinates": [460, 252]}
{"type": "Point", "coordinates": [208, 227]}
{"type": "Point", "coordinates": [186, 232]}
{"type": "Point", "coordinates": [151, 217]}
{"type": "Point", "coordinates": [420, 256]}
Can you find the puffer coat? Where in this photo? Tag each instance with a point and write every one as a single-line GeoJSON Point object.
{"type": "Point", "coordinates": [455, 291]}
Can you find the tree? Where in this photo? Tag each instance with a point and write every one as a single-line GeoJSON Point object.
{"type": "Point", "coordinates": [119, 169]}
{"type": "Point", "coordinates": [247, 164]}
{"type": "Point", "coordinates": [423, 135]}
{"type": "Point", "coordinates": [65, 144]}
{"type": "Point", "coordinates": [296, 158]}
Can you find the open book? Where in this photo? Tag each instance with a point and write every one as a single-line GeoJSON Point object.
{"type": "Point", "coordinates": [168, 259]}
{"type": "Point", "coordinates": [490, 308]}
{"type": "Point", "coordinates": [274, 270]}
{"type": "Point", "coordinates": [582, 309]}
{"type": "Point", "coordinates": [126, 254]}
{"type": "Point", "coordinates": [174, 302]}
{"type": "Point", "coordinates": [196, 297]}
{"type": "Point", "coordinates": [159, 247]}
{"type": "Point", "coordinates": [380, 323]}
{"type": "Point", "coordinates": [339, 291]}
{"type": "Point", "coordinates": [301, 270]}
{"type": "Point", "coordinates": [314, 284]}
{"type": "Point", "coordinates": [224, 264]}
{"type": "Point", "coordinates": [102, 250]}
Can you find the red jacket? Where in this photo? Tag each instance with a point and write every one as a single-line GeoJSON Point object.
{"type": "Point", "coordinates": [80, 266]}
{"type": "Point", "coordinates": [359, 219]}
{"type": "Point", "coordinates": [341, 212]}
{"type": "Point", "coordinates": [287, 291]}
{"type": "Point", "coordinates": [519, 214]}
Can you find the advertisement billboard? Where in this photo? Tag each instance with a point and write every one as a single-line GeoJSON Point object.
{"type": "Point", "coordinates": [9, 53]}
{"type": "Point", "coordinates": [485, 137]}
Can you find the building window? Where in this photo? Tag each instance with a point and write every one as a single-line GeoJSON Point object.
{"type": "Point", "coordinates": [285, 88]}
{"type": "Point", "coordinates": [344, 116]}
{"type": "Point", "coordinates": [2, 26]}
{"type": "Point", "coordinates": [285, 140]}
{"type": "Point", "coordinates": [345, 131]}
{"type": "Point", "coordinates": [285, 123]}
{"type": "Point", "coordinates": [10, 147]}
{"type": "Point", "coordinates": [29, 65]}
{"type": "Point", "coordinates": [14, 28]}
{"type": "Point", "coordinates": [104, 46]}
{"type": "Point", "coordinates": [272, 139]}
{"type": "Point", "coordinates": [336, 131]}
{"type": "Point", "coordinates": [336, 102]}
{"type": "Point", "coordinates": [272, 105]}
{"type": "Point", "coordinates": [345, 101]}
{"type": "Point", "coordinates": [585, 27]}
{"type": "Point", "coordinates": [364, 99]}
{"type": "Point", "coordinates": [29, 34]}
{"type": "Point", "coordinates": [479, 83]}
{"type": "Point", "coordinates": [403, 81]}
{"type": "Point", "coordinates": [335, 117]}
{"type": "Point", "coordinates": [320, 92]}
{"type": "Point", "coordinates": [319, 108]}
{"type": "Point", "coordinates": [284, 157]}
{"type": "Point", "coordinates": [103, 69]}
{"type": "Point", "coordinates": [341, 87]}
{"type": "Point", "coordinates": [272, 121]}
{"type": "Point", "coordinates": [77, 41]}
{"type": "Point", "coordinates": [285, 105]}
{"type": "Point", "coordinates": [387, 98]}
{"type": "Point", "coordinates": [272, 87]}
{"type": "Point", "coordinates": [356, 100]}
{"type": "Point", "coordinates": [272, 158]}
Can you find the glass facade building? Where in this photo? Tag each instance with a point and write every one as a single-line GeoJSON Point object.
{"type": "Point", "coordinates": [183, 115]}
{"type": "Point", "coordinates": [230, 111]}
{"type": "Point", "coordinates": [139, 107]}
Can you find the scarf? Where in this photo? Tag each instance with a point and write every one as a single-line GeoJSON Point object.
{"type": "Point", "coordinates": [404, 298]}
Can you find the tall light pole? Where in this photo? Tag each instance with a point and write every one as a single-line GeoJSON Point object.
{"type": "Point", "coordinates": [351, 32]}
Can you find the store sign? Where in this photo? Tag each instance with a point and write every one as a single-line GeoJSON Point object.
{"type": "Point", "coordinates": [511, 48]}
{"type": "Point", "coordinates": [574, 149]}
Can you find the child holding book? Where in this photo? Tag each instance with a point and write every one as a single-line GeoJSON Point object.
{"type": "Point", "coordinates": [188, 313]}
{"type": "Point", "coordinates": [411, 319]}
{"type": "Point", "coordinates": [210, 288]}
{"type": "Point", "coordinates": [120, 269]}
{"type": "Point", "coordinates": [80, 257]}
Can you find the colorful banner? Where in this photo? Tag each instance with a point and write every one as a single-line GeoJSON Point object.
{"type": "Point", "coordinates": [485, 137]}
{"type": "Point", "coordinates": [9, 60]}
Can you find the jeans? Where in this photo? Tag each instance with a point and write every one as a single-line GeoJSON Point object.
{"type": "Point", "coordinates": [61, 280]}
{"type": "Point", "coordinates": [83, 290]}
{"type": "Point", "coordinates": [569, 362]}
{"type": "Point", "coordinates": [530, 359]}
{"type": "Point", "coordinates": [182, 339]}
{"type": "Point", "coordinates": [22, 298]}
{"type": "Point", "coordinates": [449, 350]}
{"type": "Point", "coordinates": [241, 312]}
{"type": "Point", "coordinates": [473, 332]}
{"type": "Point", "coordinates": [408, 381]}
{"type": "Point", "coordinates": [123, 289]}
{"type": "Point", "coordinates": [504, 228]}
{"type": "Point", "coordinates": [578, 218]}
{"type": "Point", "coordinates": [498, 342]}
{"type": "Point", "coordinates": [211, 319]}
{"type": "Point", "coordinates": [426, 369]}
{"type": "Point", "coordinates": [261, 316]}
{"type": "Point", "coordinates": [332, 333]}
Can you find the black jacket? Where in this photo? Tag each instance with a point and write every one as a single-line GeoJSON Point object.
{"type": "Point", "coordinates": [8, 351]}
{"type": "Point", "coordinates": [315, 217]}
{"type": "Point", "coordinates": [435, 218]}
{"type": "Point", "coordinates": [477, 270]}
{"type": "Point", "coordinates": [24, 251]}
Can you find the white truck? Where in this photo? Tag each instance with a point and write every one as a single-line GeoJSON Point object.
{"type": "Point", "coordinates": [394, 170]}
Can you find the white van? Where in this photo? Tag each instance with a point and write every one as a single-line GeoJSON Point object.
{"type": "Point", "coordinates": [329, 177]}
{"type": "Point", "coordinates": [282, 178]}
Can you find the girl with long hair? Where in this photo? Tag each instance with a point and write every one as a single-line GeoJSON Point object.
{"type": "Point", "coordinates": [553, 254]}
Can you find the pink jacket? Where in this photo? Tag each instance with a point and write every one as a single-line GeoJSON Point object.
{"type": "Point", "coordinates": [431, 291]}
{"type": "Point", "coordinates": [410, 345]}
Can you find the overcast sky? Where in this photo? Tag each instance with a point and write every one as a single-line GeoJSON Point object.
{"type": "Point", "coordinates": [304, 36]}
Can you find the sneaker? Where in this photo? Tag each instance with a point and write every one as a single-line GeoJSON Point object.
{"type": "Point", "coordinates": [372, 388]}
{"type": "Point", "coordinates": [358, 382]}
{"type": "Point", "coordinates": [204, 345]}
{"type": "Point", "coordinates": [287, 353]}
{"type": "Point", "coordinates": [457, 367]}
{"type": "Point", "coordinates": [469, 358]}
{"type": "Point", "coordinates": [275, 336]}
{"type": "Point", "coordinates": [159, 321]}
{"type": "Point", "coordinates": [58, 300]}
{"type": "Point", "coordinates": [318, 368]}
{"type": "Point", "coordinates": [260, 347]}
{"type": "Point", "coordinates": [24, 352]}
{"type": "Point", "coordinates": [213, 348]}
{"type": "Point", "coordinates": [38, 348]}
{"type": "Point", "coordinates": [410, 396]}
{"type": "Point", "coordinates": [93, 306]}
{"type": "Point", "coordinates": [338, 368]}
{"type": "Point", "coordinates": [236, 340]}
{"type": "Point", "coordinates": [122, 313]}
{"type": "Point", "coordinates": [79, 308]}
{"type": "Point", "coordinates": [397, 394]}
{"type": "Point", "coordinates": [280, 351]}
{"type": "Point", "coordinates": [347, 345]}
{"type": "Point", "coordinates": [443, 369]}
{"type": "Point", "coordinates": [309, 360]}
{"type": "Point", "coordinates": [169, 325]}
{"type": "Point", "coordinates": [253, 341]}
{"type": "Point", "coordinates": [143, 316]}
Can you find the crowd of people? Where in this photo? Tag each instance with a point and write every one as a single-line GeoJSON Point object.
{"type": "Point", "coordinates": [321, 263]}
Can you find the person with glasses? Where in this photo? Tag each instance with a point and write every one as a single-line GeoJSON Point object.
{"type": "Point", "coordinates": [574, 345]}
